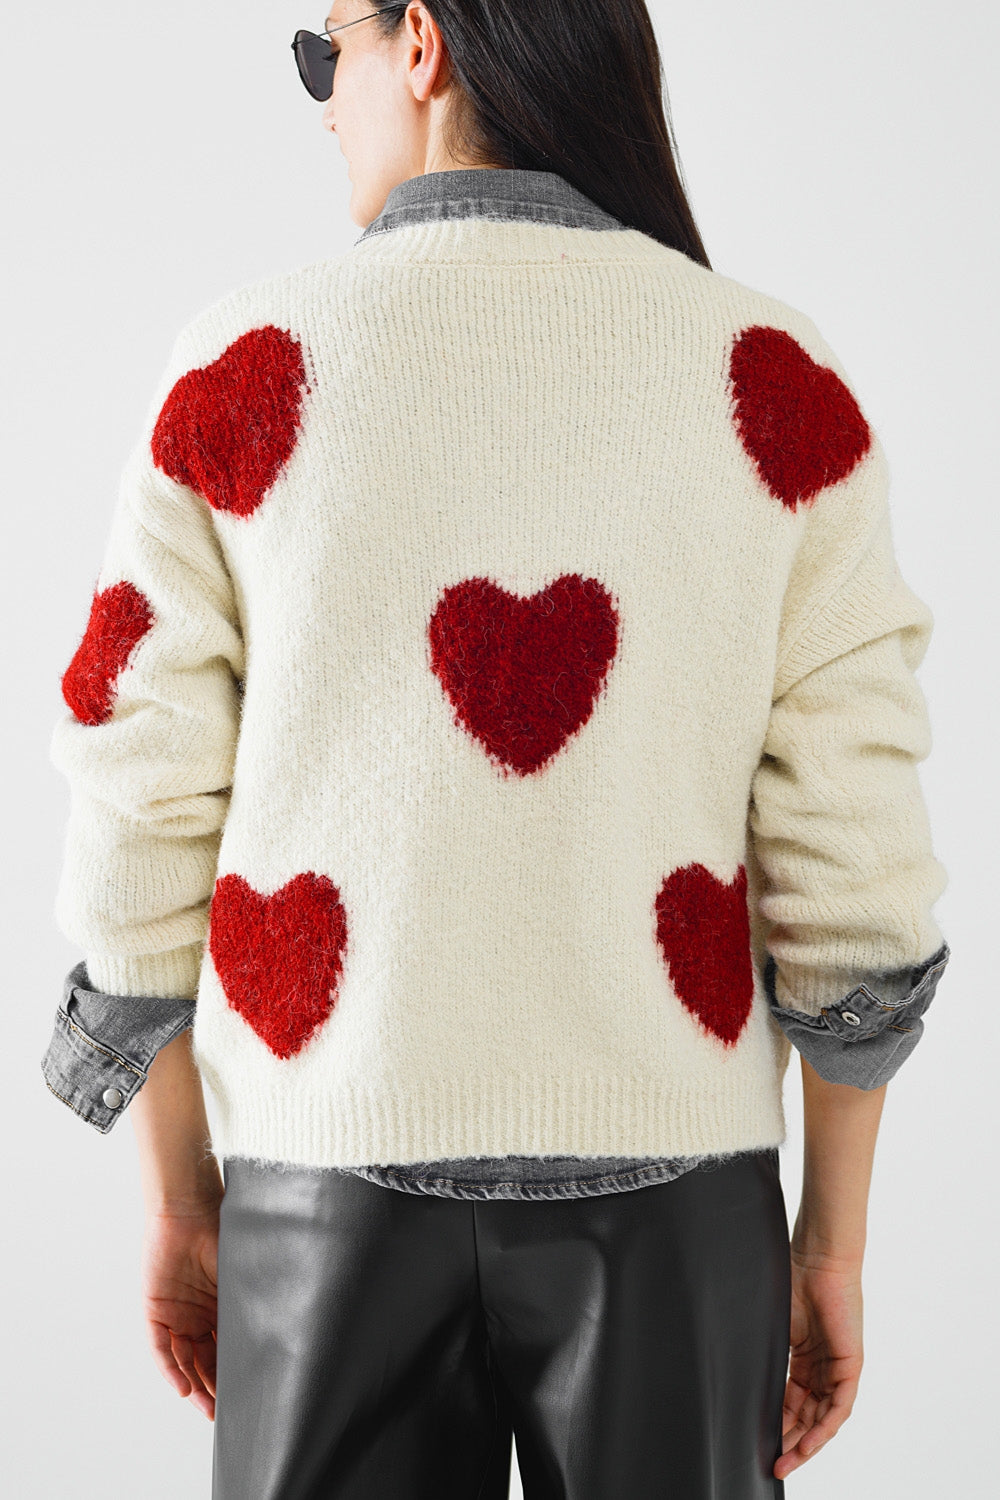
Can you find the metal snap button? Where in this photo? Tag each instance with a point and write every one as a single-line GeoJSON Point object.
{"type": "Point", "coordinates": [112, 1097]}
{"type": "Point", "coordinates": [851, 1018]}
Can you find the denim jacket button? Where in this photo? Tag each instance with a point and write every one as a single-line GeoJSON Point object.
{"type": "Point", "coordinates": [851, 1018]}
{"type": "Point", "coordinates": [112, 1098]}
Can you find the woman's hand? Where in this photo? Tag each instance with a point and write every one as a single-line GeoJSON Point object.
{"type": "Point", "coordinates": [183, 1189]}
{"type": "Point", "coordinates": [826, 1356]}
{"type": "Point", "coordinates": [179, 1284]}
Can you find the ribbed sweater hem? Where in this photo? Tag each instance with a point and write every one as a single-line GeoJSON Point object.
{"type": "Point", "coordinates": [588, 1114]}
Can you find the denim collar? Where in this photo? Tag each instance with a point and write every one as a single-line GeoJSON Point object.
{"type": "Point", "coordinates": [490, 193]}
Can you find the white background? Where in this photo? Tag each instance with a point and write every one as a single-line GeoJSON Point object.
{"type": "Point", "coordinates": [841, 157]}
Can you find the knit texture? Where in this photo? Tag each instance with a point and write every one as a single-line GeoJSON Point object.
{"type": "Point", "coordinates": [499, 649]}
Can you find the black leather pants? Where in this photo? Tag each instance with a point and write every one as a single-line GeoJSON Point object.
{"type": "Point", "coordinates": [382, 1345]}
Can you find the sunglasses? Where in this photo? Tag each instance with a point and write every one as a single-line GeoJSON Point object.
{"type": "Point", "coordinates": [316, 59]}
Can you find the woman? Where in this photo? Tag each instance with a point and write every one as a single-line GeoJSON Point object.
{"type": "Point", "coordinates": [498, 710]}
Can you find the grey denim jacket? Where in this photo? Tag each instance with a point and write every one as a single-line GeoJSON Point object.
{"type": "Point", "coordinates": [102, 1045]}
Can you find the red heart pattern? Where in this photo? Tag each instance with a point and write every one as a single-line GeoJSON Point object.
{"type": "Point", "coordinates": [703, 929]}
{"type": "Point", "coordinates": [523, 674]}
{"type": "Point", "coordinates": [119, 618]}
{"type": "Point", "coordinates": [227, 429]}
{"type": "Point", "coordinates": [796, 419]}
{"type": "Point", "coordinates": [279, 958]}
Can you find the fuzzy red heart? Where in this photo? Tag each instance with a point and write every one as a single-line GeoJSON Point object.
{"type": "Point", "coordinates": [279, 957]}
{"type": "Point", "coordinates": [796, 419]}
{"type": "Point", "coordinates": [523, 674]}
{"type": "Point", "coordinates": [703, 929]}
{"type": "Point", "coordinates": [119, 618]}
{"type": "Point", "coordinates": [228, 428]}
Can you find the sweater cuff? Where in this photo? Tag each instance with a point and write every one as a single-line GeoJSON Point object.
{"type": "Point", "coordinates": [174, 973]}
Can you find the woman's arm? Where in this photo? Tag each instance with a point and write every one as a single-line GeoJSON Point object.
{"type": "Point", "coordinates": [171, 1128]}
{"type": "Point", "coordinates": [827, 1249]}
{"type": "Point", "coordinates": [840, 1126]}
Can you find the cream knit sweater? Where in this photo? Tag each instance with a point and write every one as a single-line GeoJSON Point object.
{"type": "Point", "coordinates": [464, 741]}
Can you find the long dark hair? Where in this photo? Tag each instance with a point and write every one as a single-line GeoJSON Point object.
{"type": "Point", "coordinates": [568, 86]}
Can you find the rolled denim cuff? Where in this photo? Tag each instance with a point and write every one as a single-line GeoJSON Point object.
{"type": "Point", "coordinates": [862, 1040]}
{"type": "Point", "coordinates": [102, 1046]}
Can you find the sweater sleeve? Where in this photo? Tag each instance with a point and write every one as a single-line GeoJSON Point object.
{"type": "Point", "coordinates": [148, 736]}
{"type": "Point", "coordinates": [840, 830]}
